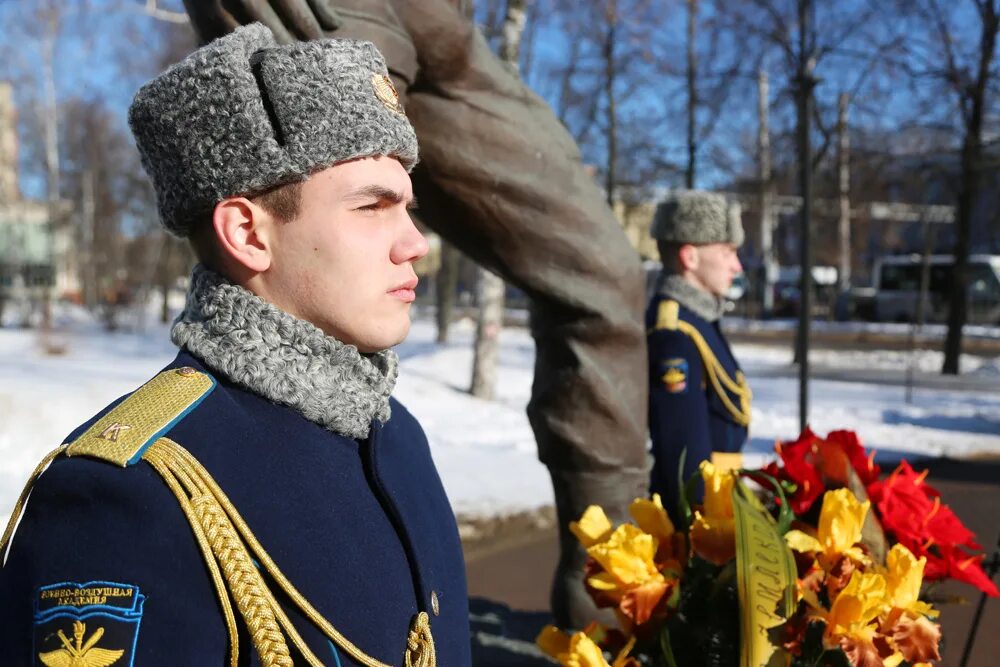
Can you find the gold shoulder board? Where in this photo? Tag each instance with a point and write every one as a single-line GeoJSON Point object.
{"type": "Point", "coordinates": [121, 436]}
{"type": "Point", "coordinates": [667, 315]}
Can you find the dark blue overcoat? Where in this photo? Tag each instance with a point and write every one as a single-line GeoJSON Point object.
{"type": "Point", "coordinates": [362, 529]}
{"type": "Point", "coordinates": [685, 410]}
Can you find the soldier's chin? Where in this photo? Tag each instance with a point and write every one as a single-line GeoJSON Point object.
{"type": "Point", "coordinates": [390, 334]}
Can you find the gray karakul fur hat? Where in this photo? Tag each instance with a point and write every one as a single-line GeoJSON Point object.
{"type": "Point", "coordinates": [695, 216]}
{"type": "Point", "coordinates": [244, 114]}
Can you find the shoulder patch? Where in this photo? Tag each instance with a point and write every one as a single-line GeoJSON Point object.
{"type": "Point", "coordinates": [93, 624]}
{"type": "Point", "coordinates": [121, 436]}
{"type": "Point", "coordinates": [667, 314]}
{"type": "Point", "coordinates": [675, 375]}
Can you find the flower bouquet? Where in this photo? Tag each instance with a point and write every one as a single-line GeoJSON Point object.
{"type": "Point", "coordinates": [814, 560]}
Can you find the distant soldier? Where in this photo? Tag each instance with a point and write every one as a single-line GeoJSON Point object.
{"type": "Point", "coordinates": [699, 400]}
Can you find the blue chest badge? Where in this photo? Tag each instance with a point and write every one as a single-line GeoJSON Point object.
{"type": "Point", "coordinates": [675, 375]}
{"type": "Point", "coordinates": [95, 624]}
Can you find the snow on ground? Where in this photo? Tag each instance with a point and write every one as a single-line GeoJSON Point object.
{"type": "Point", "coordinates": [923, 361]}
{"type": "Point", "coordinates": [485, 451]}
{"type": "Point", "coordinates": [930, 331]}
{"type": "Point", "coordinates": [936, 423]}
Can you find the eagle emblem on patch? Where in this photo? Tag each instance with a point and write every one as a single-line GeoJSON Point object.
{"type": "Point", "coordinates": [95, 624]}
{"type": "Point", "coordinates": [675, 375]}
{"type": "Point", "coordinates": [386, 93]}
{"type": "Point", "coordinates": [82, 650]}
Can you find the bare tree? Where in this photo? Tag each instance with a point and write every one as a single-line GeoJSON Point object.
{"type": "Point", "coordinates": [964, 68]}
{"type": "Point", "coordinates": [845, 34]}
{"type": "Point", "coordinates": [603, 88]}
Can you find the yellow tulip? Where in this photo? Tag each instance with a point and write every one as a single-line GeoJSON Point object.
{"type": "Point", "coordinates": [593, 527]}
{"type": "Point", "coordinates": [650, 516]}
{"type": "Point", "coordinates": [904, 574]}
{"type": "Point", "coordinates": [583, 652]}
{"type": "Point", "coordinates": [855, 608]}
{"type": "Point", "coordinates": [627, 559]}
{"type": "Point", "coordinates": [713, 531]}
{"type": "Point", "coordinates": [578, 650]}
{"type": "Point", "coordinates": [630, 579]}
{"type": "Point", "coordinates": [552, 641]}
{"type": "Point", "coordinates": [840, 521]}
{"type": "Point", "coordinates": [718, 491]}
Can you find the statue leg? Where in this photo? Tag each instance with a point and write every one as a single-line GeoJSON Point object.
{"type": "Point", "coordinates": [501, 179]}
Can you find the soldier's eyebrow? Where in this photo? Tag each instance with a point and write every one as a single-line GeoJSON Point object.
{"type": "Point", "coordinates": [382, 194]}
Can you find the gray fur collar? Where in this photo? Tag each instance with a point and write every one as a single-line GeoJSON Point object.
{"type": "Point", "coordinates": [697, 300]}
{"type": "Point", "coordinates": [286, 360]}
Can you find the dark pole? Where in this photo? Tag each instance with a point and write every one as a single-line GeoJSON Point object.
{"type": "Point", "coordinates": [804, 84]}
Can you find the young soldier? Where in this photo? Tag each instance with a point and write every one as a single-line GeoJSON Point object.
{"type": "Point", "coordinates": [502, 180]}
{"type": "Point", "coordinates": [264, 493]}
{"type": "Point", "coordinates": [699, 399]}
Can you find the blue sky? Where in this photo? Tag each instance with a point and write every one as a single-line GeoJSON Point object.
{"type": "Point", "coordinates": [101, 52]}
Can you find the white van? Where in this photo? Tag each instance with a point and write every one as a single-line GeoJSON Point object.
{"type": "Point", "coordinates": [896, 281]}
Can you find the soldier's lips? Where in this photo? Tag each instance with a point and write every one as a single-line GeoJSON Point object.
{"type": "Point", "coordinates": [406, 295]}
{"type": "Point", "coordinates": [406, 291]}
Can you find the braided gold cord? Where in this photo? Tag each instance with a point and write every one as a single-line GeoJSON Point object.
{"type": "Point", "coordinates": [720, 379]}
{"type": "Point", "coordinates": [175, 485]}
{"type": "Point", "coordinates": [163, 456]}
{"type": "Point", "coordinates": [422, 652]}
{"type": "Point", "coordinates": [15, 514]}
{"type": "Point", "coordinates": [420, 643]}
{"type": "Point", "coordinates": [245, 583]}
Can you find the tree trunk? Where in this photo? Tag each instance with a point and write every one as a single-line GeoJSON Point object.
{"type": "Point", "coordinates": [969, 190]}
{"type": "Point", "coordinates": [487, 350]}
{"type": "Point", "coordinates": [804, 93]}
{"type": "Point", "coordinates": [51, 151]}
{"type": "Point", "coordinates": [844, 179]}
{"type": "Point", "coordinates": [89, 236]}
{"type": "Point", "coordinates": [445, 287]}
{"type": "Point", "coordinates": [692, 90]}
{"type": "Point", "coordinates": [768, 268]}
{"type": "Point", "coordinates": [166, 277]}
{"type": "Point", "coordinates": [609, 90]}
{"type": "Point", "coordinates": [491, 286]}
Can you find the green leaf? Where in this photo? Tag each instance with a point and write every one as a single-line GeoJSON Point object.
{"type": "Point", "coordinates": [683, 505]}
{"type": "Point", "coordinates": [666, 648]}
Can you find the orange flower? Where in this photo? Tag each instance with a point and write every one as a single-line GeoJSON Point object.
{"type": "Point", "coordinates": [629, 575]}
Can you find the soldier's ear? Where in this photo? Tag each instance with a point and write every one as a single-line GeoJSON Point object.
{"type": "Point", "coordinates": [688, 257]}
{"type": "Point", "coordinates": [242, 233]}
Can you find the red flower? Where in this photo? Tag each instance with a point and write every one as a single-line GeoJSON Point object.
{"type": "Point", "coordinates": [912, 511]}
{"type": "Point", "coordinates": [798, 467]}
{"type": "Point", "coordinates": [810, 461]}
{"type": "Point", "coordinates": [956, 563]}
{"type": "Point", "coordinates": [862, 461]}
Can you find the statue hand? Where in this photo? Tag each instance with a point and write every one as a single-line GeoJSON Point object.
{"type": "Point", "coordinates": [289, 20]}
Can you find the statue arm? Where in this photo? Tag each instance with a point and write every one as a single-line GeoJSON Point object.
{"type": "Point", "coordinates": [289, 20]}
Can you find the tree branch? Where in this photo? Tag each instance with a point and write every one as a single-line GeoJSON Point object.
{"type": "Point", "coordinates": [165, 14]}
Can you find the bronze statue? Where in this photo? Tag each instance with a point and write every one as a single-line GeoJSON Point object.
{"type": "Point", "coordinates": [502, 180]}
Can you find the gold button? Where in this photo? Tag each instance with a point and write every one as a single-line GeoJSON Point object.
{"type": "Point", "coordinates": [186, 371]}
{"type": "Point", "coordinates": [435, 605]}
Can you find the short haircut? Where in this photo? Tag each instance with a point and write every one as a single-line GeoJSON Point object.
{"type": "Point", "coordinates": [669, 254]}
{"type": "Point", "coordinates": [283, 202]}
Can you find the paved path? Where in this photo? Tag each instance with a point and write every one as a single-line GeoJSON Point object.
{"type": "Point", "coordinates": [510, 585]}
